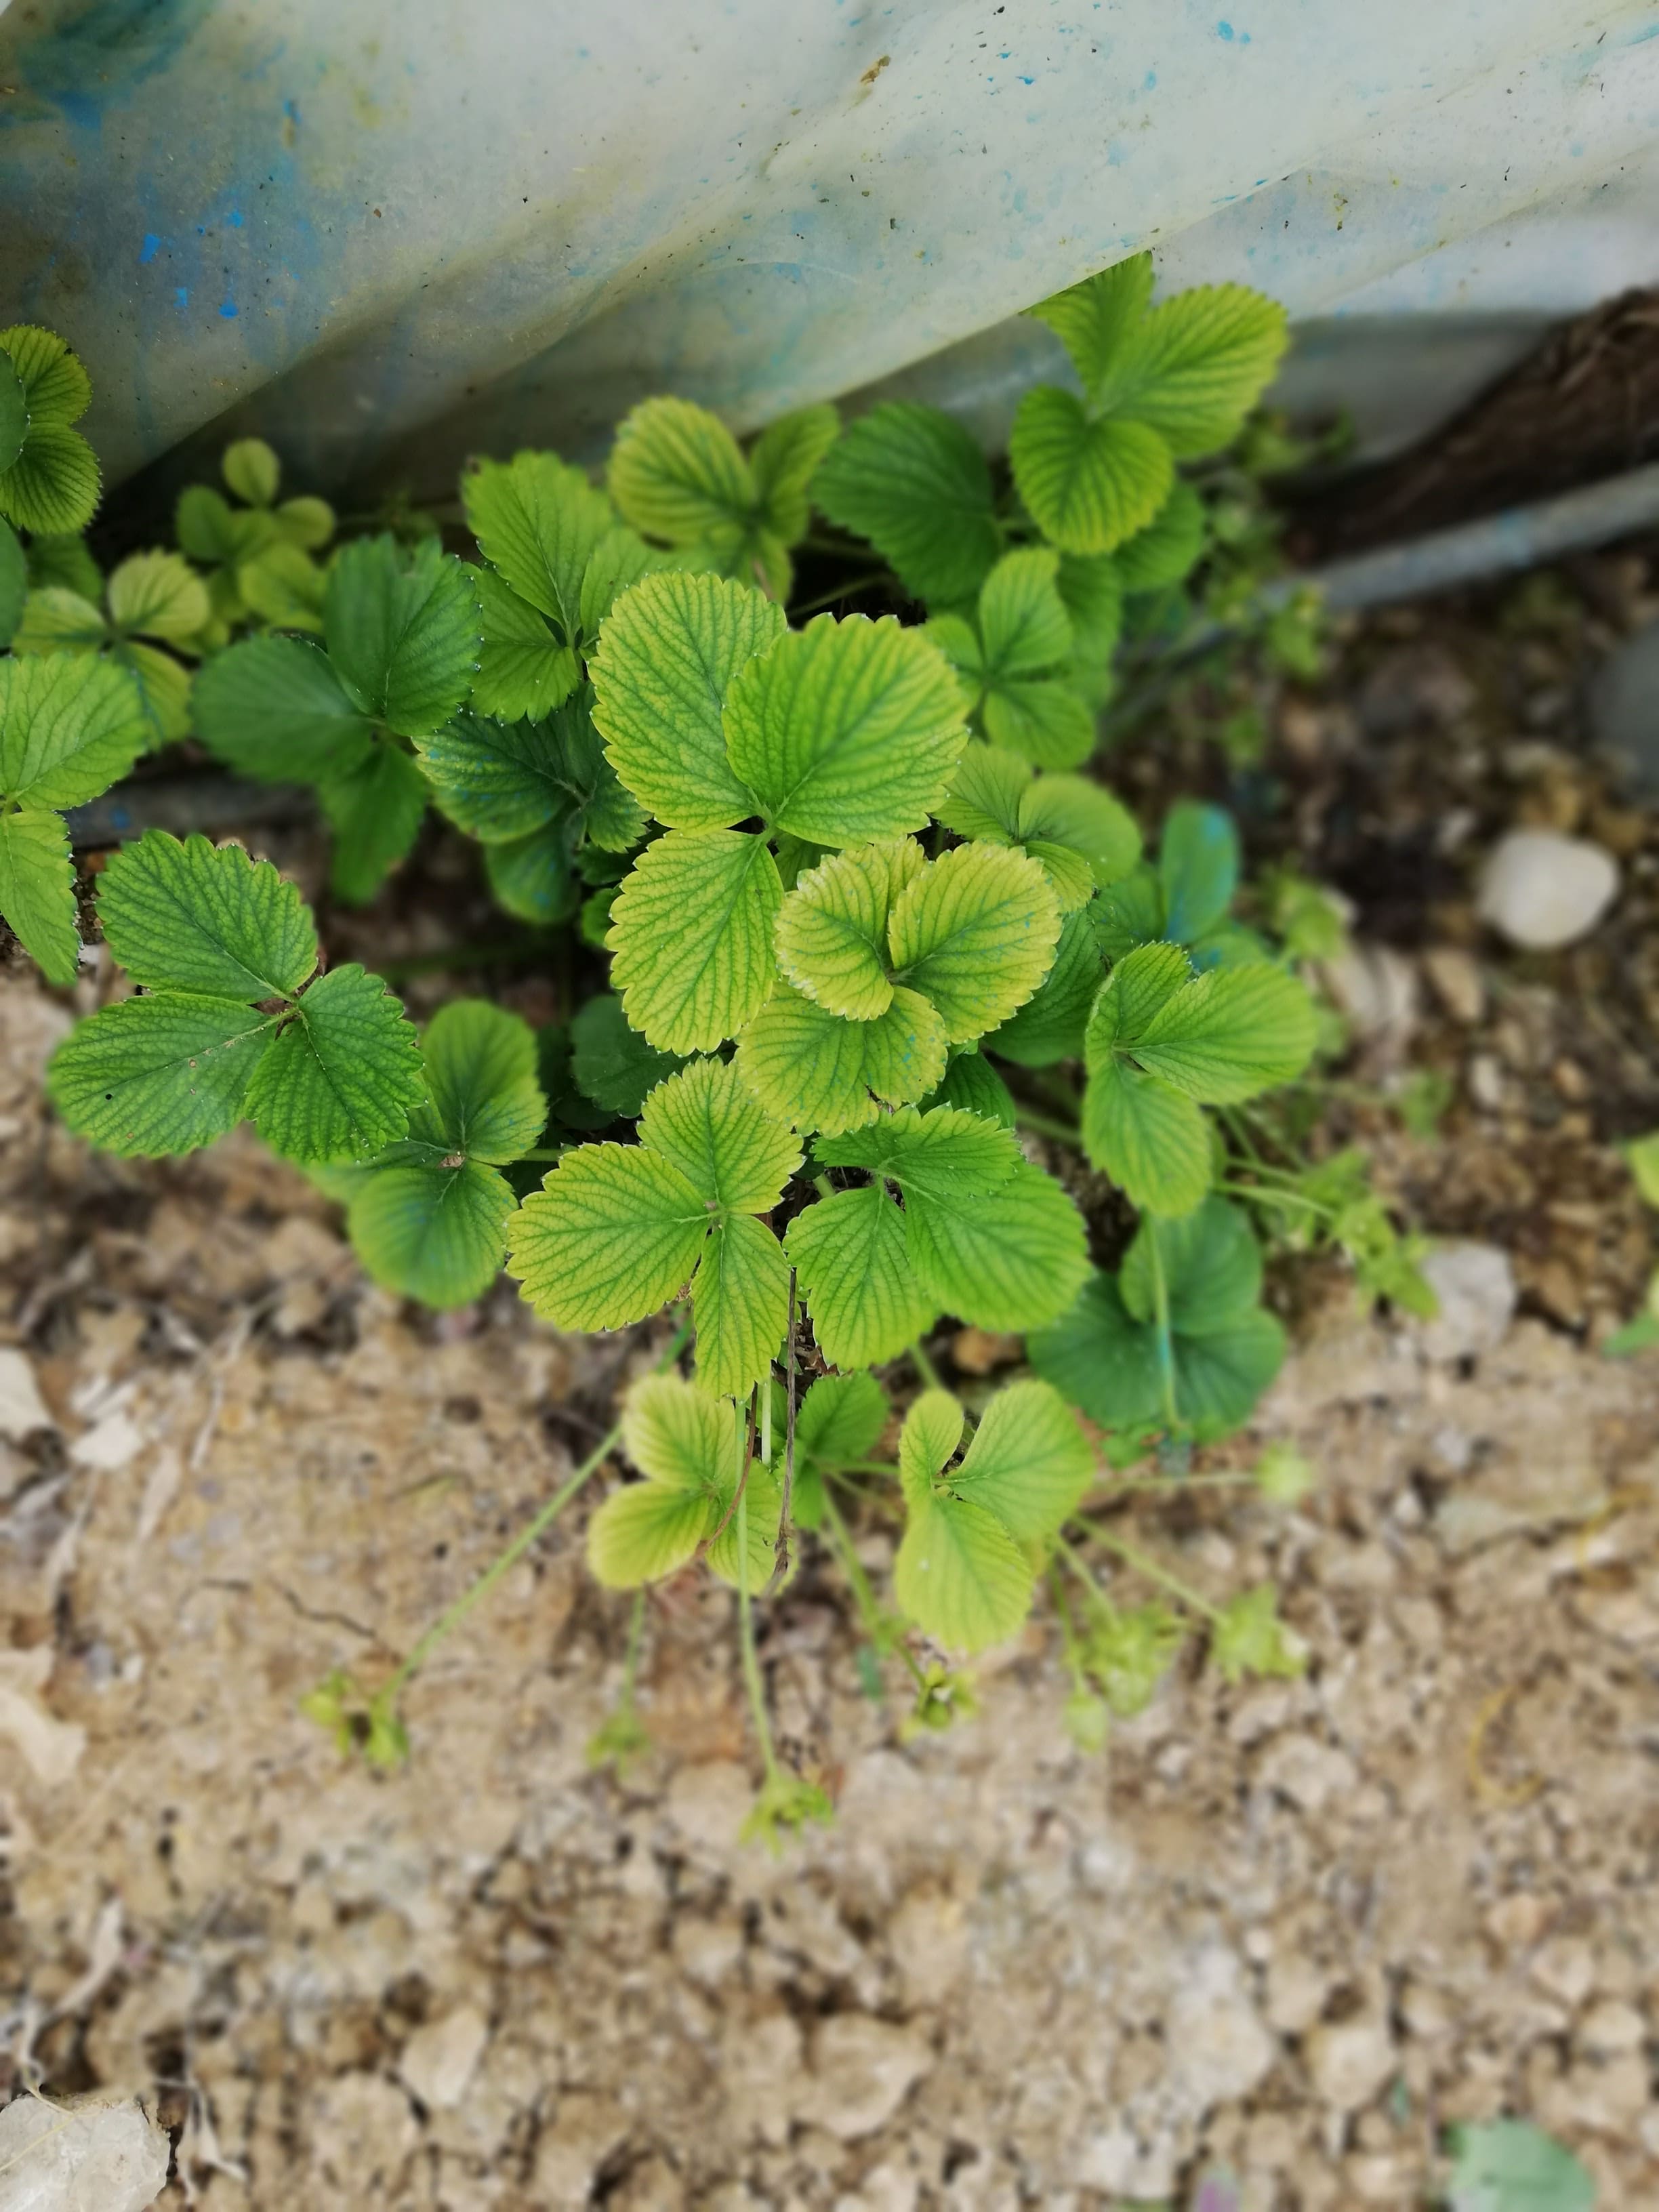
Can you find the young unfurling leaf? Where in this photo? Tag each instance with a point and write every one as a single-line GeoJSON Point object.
{"type": "Point", "coordinates": [1014, 659]}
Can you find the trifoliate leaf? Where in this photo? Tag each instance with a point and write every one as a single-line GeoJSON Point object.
{"type": "Point", "coordinates": [810, 1067]}
{"type": "Point", "coordinates": [741, 1305]}
{"type": "Point", "coordinates": [70, 726]}
{"type": "Point", "coordinates": [1141, 984]}
{"type": "Point", "coordinates": [1199, 363]}
{"type": "Point", "coordinates": [783, 461]}
{"type": "Point", "coordinates": [1152, 1141]}
{"type": "Point", "coordinates": [434, 1233]}
{"type": "Point", "coordinates": [158, 595]}
{"type": "Point", "coordinates": [1198, 862]}
{"type": "Point", "coordinates": [611, 1062]}
{"type": "Point", "coordinates": [1050, 1025]}
{"type": "Point", "coordinates": [846, 731]}
{"type": "Point", "coordinates": [705, 1122]}
{"type": "Point", "coordinates": [1044, 720]}
{"type": "Point", "coordinates": [676, 473]}
{"type": "Point", "coordinates": [1097, 319]}
{"type": "Point", "coordinates": [251, 470]}
{"type": "Point", "coordinates": [1249, 1638]}
{"type": "Point", "coordinates": [1012, 1259]}
{"type": "Point", "coordinates": [849, 1254]}
{"type": "Point", "coordinates": [403, 631]}
{"type": "Point", "coordinates": [1023, 626]}
{"type": "Point", "coordinates": [284, 587]}
{"type": "Point", "coordinates": [931, 1436]}
{"type": "Point", "coordinates": [1512, 2166]}
{"type": "Point", "coordinates": [51, 484]}
{"type": "Point", "coordinates": [537, 520]}
{"type": "Point", "coordinates": [375, 809]}
{"type": "Point", "coordinates": [946, 1153]}
{"type": "Point", "coordinates": [273, 708]}
{"type": "Point", "coordinates": [1090, 585]}
{"type": "Point", "coordinates": [1089, 484]}
{"type": "Point", "coordinates": [614, 1233]}
{"type": "Point", "coordinates": [668, 656]}
{"type": "Point", "coordinates": [534, 876]}
{"type": "Point", "coordinates": [832, 927]}
{"type": "Point", "coordinates": [14, 583]}
{"type": "Point", "coordinates": [959, 1574]}
{"type": "Point", "coordinates": [159, 1074]}
{"type": "Point", "coordinates": [913, 482]}
{"type": "Point", "coordinates": [37, 889]}
{"type": "Point", "coordinates": [204, 919]}
{"type": "Point", "coordinates": [1067, 813]}
{"type": "Point", "coordinates": [971, 1083]}
{"type": "Point", "coordinates": [343, 1074]}
{"type": "Point", "coordinates": [524, 670]}
{"type": "Point", "coordinates": [645, 1531]}
{"type": "Point", "coordinates": [1164, 552]}
{"type": "Point", "coordinates": [1029, 1463]}
{"type": "Point", "coordinates": [975, 934]}
{"type": "Point", "coordinates": [691, 937]}
{"type": "Point", "coordinates": [481, 1071]}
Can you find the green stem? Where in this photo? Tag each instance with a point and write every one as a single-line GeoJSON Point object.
{"type": "Point", "coordinates": [545, 1152]}
{"type": "Point", "coordinates": [504, 1561]}
{"type": "Point", "coordinates": [1277, 1197]}
{"type": "Point", "coordinates": [924, 1367]}
{"type": "Point", "coordinates": [1165, 1340]}
{"type": "Point", "coordinates": [1048, 1125]}
{"type": "Point", "coordinates": [1133, 1555]}
{"type": "Point", "coordinates": [752, 1673]}
{"type": "Point", "coordinates": [877, 1624]}
{"type": "Point", "coordinates": [841, 591]}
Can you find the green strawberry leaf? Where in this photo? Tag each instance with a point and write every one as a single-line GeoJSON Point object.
{"type": "Point", "coordinates": [1091, 586]}
{"type": "Point", "coordinates": [524, 668]}
{"type": "Point", "coordinates": [691, 937]}
{"type": "Point", "coordinates": [1198, 364]}
{"type": "Point", "coordinates": [251, 470]}
{"type": "Point", "coordinates": [403, 632]}
{"type": "Point", "coordinates": [51, 483]}
{"type": "Point", "coordinates": [832, 926]}
{"type": "Point", "coordinates": [741, 1305]}
{"type": "Point", "coordinates": [611, 1062]}
{"type": "Point", "coordinates": [1089, 484]}
{"type": "Point", "coordinates": [70, 726]}
{"type": "Point", "coordinates": [14, 414]}
{"type": "Point", "coordinates": [810, 1067]}
{"type": "Point", "coordinates": [1228, 1034]}
{"type": "Point", "coordinates": [645, 1531]}
{"type": "Point", "coordinates": [1050, 1025]}
{"type": "Point", "coordinates": [613, 1233]}
{"type": "Point", "coordinates": [849, 1254]}
{"type": "Point", "coordinates": [931, 1437]}
{"type": "Point", "coordinates": [537, 522]}
{"type": "Point", "coordinates": [914, 482]}
{"type": "Point", "coordinates": [436, 1233]}
{"type": "Point", "coordinates": [274, 707]}
{"type": "Point", "coordinates": [342, 1076]}
{"type": "Point", "coordinates": [783, 461]}
{"type": "Point", "coordinates": [736, 1158]}
{"type": "Point", "coordinates": [1152, 1141]}
{"type": "Point", "coordinates": [959, 1574]}
{"type": "Point", "coordinates": [1029, 1463]}
{"type": "Point", "coordinates": [975, 934]}
{"type": "Point", "coordinates": [37, 889]}
{"type": "Point", "coordinates": [1023, 627]}
{"type": "Point", "coordinates": [1047, 720]}
{"type": "Point", "coordinates": [159, 1074]}
{"type": "Point", "coordinates": [1167, 550]}
{"type": "Point", "coordinates": [534, 876]}
{"type": "Point", "coordinates": [620, 560]}
{"type": "Point", "coordinates": [1198, 864]}
{"type": "Point", "coordinates": [203, 919]}
{"type": "Point", "coordinates": [1097, 320]}
{"type": "Point", "coordinates": [669, 655]}
{"type": "Point", "coordinates": [846, 731]}
{"type": "Point", "coordinates": [1012, 1259]}
{"type": "Point", "coordinates": [946, 1153]}
{"type": "Point", "coordinates": [972, 1083]}
{"type": "Point", "coordinates": [14, 582]}
{"type": "Point", "coordinates": [158, 595]}
{"type": "Point", "coordinates": [375, 809]}
{"type": "Point", "coordinates": [481, 1072]}
{"type": "Point", "coordinates": [676, 473]}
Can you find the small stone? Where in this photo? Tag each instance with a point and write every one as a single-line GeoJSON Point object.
{"type": "Point", "coordinates": [863, 2071]}
{"type": "Point", "coordinates": [1270, 2142]}
{"type": "Point", "coordinates": [91, 2154]}
{"type": "Point", "coordinates": [928, 1938]}
{"type": "Point", "coordinates": [1297, 1990]}
{"type": "Point", "coordinates": [110, 1445]}
{"type": "Point", "coordinates": [1378, 2178]}
{"type": "Point", "coordinates": [1517, 1920]}
{"type": "Point", "coordinates": [1475, 1286]}
{"type": "Point", "coordinates": [1566, 1967]}
{"type": "Point", "coordinates": [1541, 890]}
{"type": "Point", "coordinates": [439, 2059]}
{"type": "Point", "coordinates": [1377, 988]}
{"type": "Point", "coordinates": [1610, 2098]}
{"type": "Point", "coordinates": [1425, 2011]}
{"type": "Point", "coordinates": [1609, 2029]}
{"type": "Point", "coordinates": [1455, 979]}
{"type": "Point", "coordinates": [1350, 2062]}
{"type": "Point", "coordinates": [1307, 1771]}
{"type": "Point", "coordinates": [710, 1802]}
{"type": "Point", "coordinates": [23, 1409]}
{"type": "Point", "coordinates": [1485, 1078]}
{"type": "Point", "coordinates": [585, 2127]}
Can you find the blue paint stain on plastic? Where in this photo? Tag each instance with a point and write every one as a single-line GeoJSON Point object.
{"type": "Point", "coordinates": [227, 309]}
{"type": "Point", "coordinates": [151, 246]}
{"type": "Point", "coordinates": [1223, 31]}
{"type": "Point", "coordinates": [1028, 79]}
{"type": "Point", "coordinates": [1149, 83]}
{"type": "Point", "coordinates": [181, 296]}
{"type": "Point", "coordinates": [235, 218]}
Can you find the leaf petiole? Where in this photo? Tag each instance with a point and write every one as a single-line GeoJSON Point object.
{"type": "Point", "coordinates": [1143, 1563]}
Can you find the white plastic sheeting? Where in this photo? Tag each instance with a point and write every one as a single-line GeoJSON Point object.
{"type": "Point", "coordinates": [387, 234]}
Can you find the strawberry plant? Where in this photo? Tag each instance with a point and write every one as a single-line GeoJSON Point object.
{"type": "Point", "coordinates": [873, 931]}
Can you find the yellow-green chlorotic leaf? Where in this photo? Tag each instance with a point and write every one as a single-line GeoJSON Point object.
{"type": "Point", "coordinates": [613, 1234]}
{"type": "Point", "coordinates": [691, 935]}
{"type": "Point", "coordinates": [832, 927]}
{"type": "Point", "coordinates": [975, 934]}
